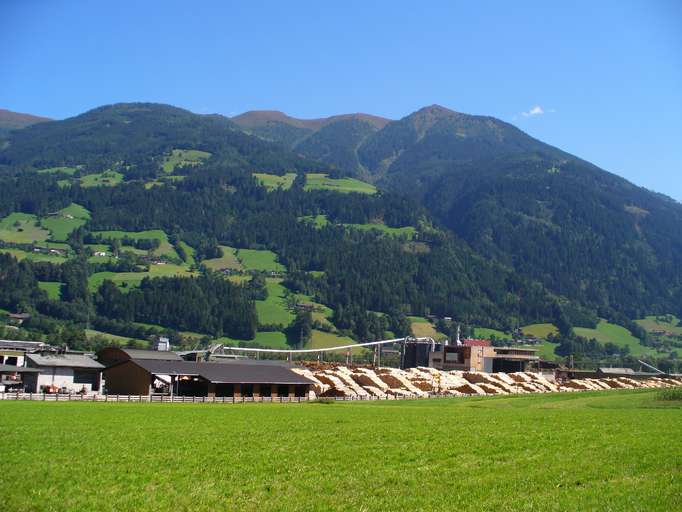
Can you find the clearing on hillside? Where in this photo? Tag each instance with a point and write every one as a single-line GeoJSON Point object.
{"type": "Point", "coordinates": [165, 248]}
{"type": "Point", "coordinates": [184, 158]}
{"type": "Point", "coordinates": [274, 310]}
{"type": "Point", "coordinates": [63, 222]}
{"type": "Point", "coordinates": [102, 179]}
{"type": "Point", "coordinates": [321, 181]}
{"type": "Point", "coordinates": [260, 260]}
{"type": "Point", "coordinates": [608, 332]}
{"type": "Point", "coordinates": [459, 454]}
{"type": "Point", "coordinates": [22, 228]}
{"type": "Point", "coordinates": [227, 261]}
{"type": "Point", "coordinates": [539, 330]}
{"type": "Point", "coordinates": [273, 181]}
{"type": "Point", "coordinates": [128, 280]}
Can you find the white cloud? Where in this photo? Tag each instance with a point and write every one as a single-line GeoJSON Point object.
{"type": "Point", "coordinates": [537, 110]}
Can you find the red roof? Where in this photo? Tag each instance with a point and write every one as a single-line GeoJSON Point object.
{"type": "Point", "coordinates": [476, 343]}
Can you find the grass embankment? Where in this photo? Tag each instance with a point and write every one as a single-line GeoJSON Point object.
{"type": "Point", "coordinates": [451, 454]}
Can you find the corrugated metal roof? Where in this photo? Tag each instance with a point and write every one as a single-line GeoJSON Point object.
{"type": "Point", "coordinates": [227, 372]}
{"type": "Point", "coordinates": [63, 360]}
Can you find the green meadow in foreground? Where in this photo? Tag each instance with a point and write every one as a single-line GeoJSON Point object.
{"type": "Point", "coordinates": [617, 450]}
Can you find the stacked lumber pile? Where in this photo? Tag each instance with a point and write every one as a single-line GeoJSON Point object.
{"type": "Point", "coordinates": [363, 382]}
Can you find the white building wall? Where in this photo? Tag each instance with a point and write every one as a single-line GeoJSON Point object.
{"type": "Point", "coordinates": [61, 378]}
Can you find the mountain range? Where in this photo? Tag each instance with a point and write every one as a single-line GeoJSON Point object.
{"type": "Point", "coordinates": [543, 222]}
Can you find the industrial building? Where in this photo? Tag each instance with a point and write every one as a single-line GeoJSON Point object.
{"type": "Point", "coordinates": [239, 378]}
{"type": "Point", "coordinates": [469, 355]}
{"type": "Point", "coordinates": [62, 372]}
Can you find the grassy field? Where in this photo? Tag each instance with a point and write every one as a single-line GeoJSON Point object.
{"type": "Point", "coordinates": [113, 338]}
{"type": "Point", "coordinates": [274, 310]}
{"type": "Point", "coordinates": [273, 339]}
{"type": "Point", "coordinates": [59, 170]}
{"type": "Point", "coordinates": [165, 248]}
{"type": "Point", "coordinates": [35, 256]}
{"type": "Point", "coordinates": [407, 231]}
{"type": "Point", "coordinates": [128, 280]}
{"type": "Point", "coordinates": [228, 260]}
{"type": "Point", "coordinates": [616, 450]}
{"type": "Point", "coordinates": [320, 181]}
{"type": "Point", "coordinates": [102, 179]}
{"type": "Point", "coordinates": [65, 221]}
{"type": "Point", "coordinates": [422, 328]}
{"type": "Point", "coordinates": [607, 332]}
{"type": "Point", "coordinates": [539, 330]}
{"type": "Point", "coordinates": [184, 157]}
{"type": "Point", "coordinates": [485, 333]}
{"type": "Point", "coordinates": [651, 323]}
{"type": "Point", "coordinates": [266, 261]}
{"type": "Point", "coordinates": [22, 228]}
{"type": "Point", "coordinates": [319, 221]}
{"type": "Point", "coordinates": [53, 288]}
{"type": "Point", "coordinates": [273, 182]}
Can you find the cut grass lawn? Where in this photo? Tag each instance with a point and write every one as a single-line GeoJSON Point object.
{"type": "Point", "coordinates": [273, 310]}
{"type": "Point", "coordinates": [52, 288]}
{"type": "Point", "coordinates": [63, 222]}
{"type": "Point", "coordinates": [320, 181]}
{"type": "Point", "coordinates": [227, 260]}
{"type": "Point", "coordinates": [129, 280]}
{"type": "Point", "coordinates": [102, 179]}
{"type": "Point", "coordinates": [607, 332]}
{"type": "Point", "coordinates": [502, 453]}
{"type": "Point", "coordinates": [22, 228]}
{"type": "Point", "coordinates": [184, 157]}
{"type": "Point", "coordinates": [265, 261]}
{"type": "Point", "coordinates": [273, 182]}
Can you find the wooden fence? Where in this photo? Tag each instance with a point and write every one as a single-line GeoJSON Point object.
{"type": "Point", "coordinates": [76, 397]}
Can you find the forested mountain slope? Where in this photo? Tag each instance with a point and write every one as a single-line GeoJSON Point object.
{"type": "Point", "coordinates": [113, 211]}
{"type": "Point", "coordinates": [581, 231]}
{"type": "Point", "coordinates": [14, 120]}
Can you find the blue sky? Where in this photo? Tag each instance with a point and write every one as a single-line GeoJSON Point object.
{"type": "Point", "coordinates": [602, 80]}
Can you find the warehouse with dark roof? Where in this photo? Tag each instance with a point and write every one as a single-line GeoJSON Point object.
{"type": "Point", "coordinates": [241, 378]}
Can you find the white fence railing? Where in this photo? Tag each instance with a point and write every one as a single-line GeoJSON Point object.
{"type": "Point", "coordinates": [76, 397]}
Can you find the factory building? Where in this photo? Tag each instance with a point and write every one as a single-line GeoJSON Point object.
{"type": "Point", "coordinates": [240, 378]}
{"type": "Point", "coordinates": [63, 373]}
{"type": "Point", "coordinates": [470, 355]}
